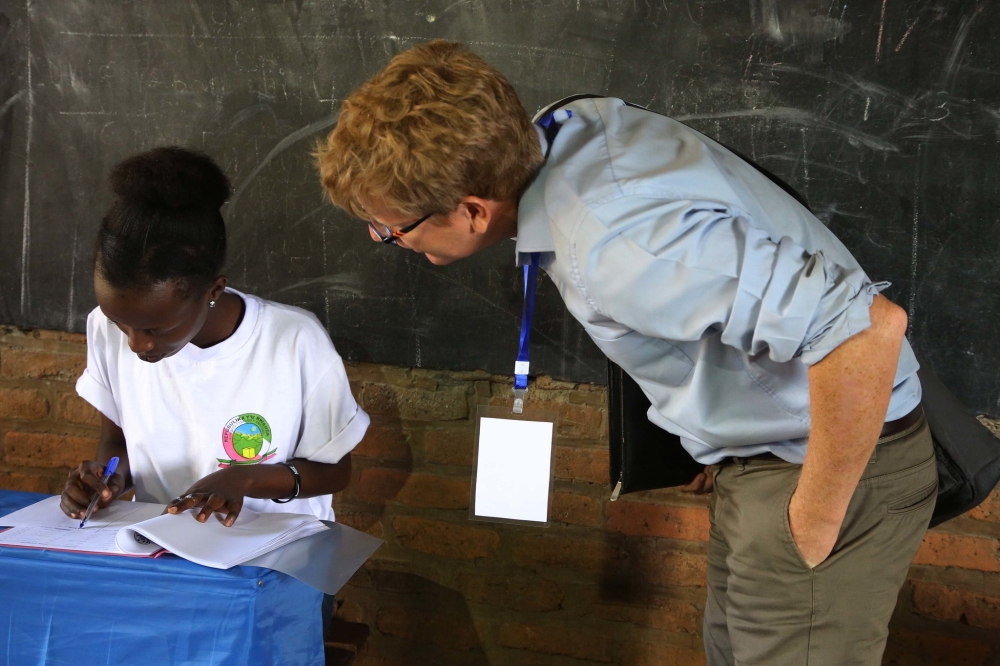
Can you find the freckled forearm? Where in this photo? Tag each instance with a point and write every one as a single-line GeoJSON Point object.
{"type": "Point", "coordinates": [849, 394]}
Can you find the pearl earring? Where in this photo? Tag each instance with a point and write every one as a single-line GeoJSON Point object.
{"type": "Point", "coordinates": [211, 304]}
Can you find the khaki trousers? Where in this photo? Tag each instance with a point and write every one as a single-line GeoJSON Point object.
{"type": "Point", "coordinates": [767, 608]}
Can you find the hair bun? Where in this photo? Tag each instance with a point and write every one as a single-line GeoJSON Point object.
{"type": "Point", "coordinates": [171, 177]}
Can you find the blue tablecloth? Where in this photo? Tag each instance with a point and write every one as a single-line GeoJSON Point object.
{"type": "Point", "coordinates": [81, 610]}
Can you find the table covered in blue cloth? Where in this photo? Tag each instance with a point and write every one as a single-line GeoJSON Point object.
{"type": "Point", "coordinates": [80, 610]}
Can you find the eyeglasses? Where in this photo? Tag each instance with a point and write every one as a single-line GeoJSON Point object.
{"type": "Point", "coordinates": [388, 236]}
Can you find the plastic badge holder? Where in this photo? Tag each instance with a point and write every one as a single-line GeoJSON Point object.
{"type": "Point", "coordinates": [512, 466]}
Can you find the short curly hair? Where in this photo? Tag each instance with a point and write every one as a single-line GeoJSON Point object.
{"type": "Point", "coordinates": [436, 125]}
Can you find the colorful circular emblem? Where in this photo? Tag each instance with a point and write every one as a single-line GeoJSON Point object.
{"type": "Point", "coordinates": [246, 438]}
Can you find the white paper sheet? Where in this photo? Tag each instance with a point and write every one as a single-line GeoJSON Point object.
{"type": "Point", "coordinates": [513, 469]}
{"type": "Point", "coordinates": [47, 513]}
{"type": "Point", "coordinates": [212, 544]}
{"type": "Point", "coordinates": [44, 525]}
{"type": "Point", "coordinates": [113, 531]}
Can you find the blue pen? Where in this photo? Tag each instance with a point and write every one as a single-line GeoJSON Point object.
{"type": "Point", "coordinates": [108, 471]}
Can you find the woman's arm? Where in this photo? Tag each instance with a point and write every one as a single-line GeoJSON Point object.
{"type": "Point", "coordinates": [225, 490]}
{"type": "Point", "coordinates": [85, 480]}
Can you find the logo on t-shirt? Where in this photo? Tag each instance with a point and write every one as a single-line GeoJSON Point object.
{"type": "Point", "coordinates": [245, 438]}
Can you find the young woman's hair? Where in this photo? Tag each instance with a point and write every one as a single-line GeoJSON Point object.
{"type": "Point", "coordinates": [165, 225]}
{"type": "Point", "coordinates": [436, 125]}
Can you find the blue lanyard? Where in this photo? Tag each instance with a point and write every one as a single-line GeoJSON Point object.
{"type": "Point", "coordinates": [527, 314]}
{"type": "Point", "coordinates": [550, 125]}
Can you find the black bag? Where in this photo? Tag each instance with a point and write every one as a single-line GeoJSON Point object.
{"type": "Point", "coordinates": [968, 454]}
{"type": "Point", "coordinates": [643, 456]}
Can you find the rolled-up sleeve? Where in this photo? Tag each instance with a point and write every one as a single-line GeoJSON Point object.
{"type": "Point", "coordinates": [682, 270]}
{"type": "Point", "coordinates": [332, 422]}
{"type": "Point", "coordinates": [94, 385]}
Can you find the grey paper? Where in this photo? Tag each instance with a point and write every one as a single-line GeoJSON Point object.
{"type": "Point", "coordinates": [326, 560]}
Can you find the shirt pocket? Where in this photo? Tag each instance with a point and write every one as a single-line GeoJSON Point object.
{"type": "Point", "coordinates": [648, 360]}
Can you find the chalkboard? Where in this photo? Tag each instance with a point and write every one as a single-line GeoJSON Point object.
{"type": "Point", "coordinates": [885, 115]}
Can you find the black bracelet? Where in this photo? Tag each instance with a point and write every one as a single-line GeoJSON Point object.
{"type": "Point", "coordinates": [298, 485]}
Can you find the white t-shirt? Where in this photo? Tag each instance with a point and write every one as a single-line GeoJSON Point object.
{"type": "Point", "coordinates": [276, 389]}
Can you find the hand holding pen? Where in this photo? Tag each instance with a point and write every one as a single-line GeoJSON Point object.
{"type": "Point", "coordinates": [87, 482]}
{"type": "Point", "coordinates": [109, 470]}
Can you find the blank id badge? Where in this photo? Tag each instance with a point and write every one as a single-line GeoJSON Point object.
{"type": "Point", "coordinates": [512, 466]}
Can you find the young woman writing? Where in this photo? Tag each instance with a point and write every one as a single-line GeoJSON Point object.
{"type": "Point", "coordinates": [211, 399]}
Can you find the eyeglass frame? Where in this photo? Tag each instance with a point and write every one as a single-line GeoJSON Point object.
{"type": "Point", "coordinates": [393, 236]}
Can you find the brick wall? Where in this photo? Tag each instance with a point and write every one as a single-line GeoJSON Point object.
{"type": "Point", "coordinates": [619, 583]}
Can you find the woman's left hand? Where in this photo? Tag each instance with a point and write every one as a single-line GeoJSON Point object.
{"type": "Point", "coordinates": [219, 492]}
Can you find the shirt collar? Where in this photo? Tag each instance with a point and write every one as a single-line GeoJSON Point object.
{"type": "Point", "coordinates": [533, 231]}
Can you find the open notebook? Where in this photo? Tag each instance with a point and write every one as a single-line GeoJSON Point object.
{"type": "Point", "coordinates": [138, 529]}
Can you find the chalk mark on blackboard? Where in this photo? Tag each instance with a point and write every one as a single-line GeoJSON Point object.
{"type": "Point", "coordinates": [10, 102]}
{"type": "Point", "coordinates": [29, 130]}
{"type": "Point", "coordinates": [279, 148]}
{"type": "Point", "coordinates": [344, 284]}
{"type": "Point", "coordinates": [843, 81]}
{"type": "Point", "coordinates": [305, 217]}
{"type": "Point", "coordinates": [536, 333]}
{"type": "Point", "coordinates": [799, 117]}
{"type": "Point", "coordinates": [881, 27]}
{"type": "Point", "coordinates": [249, 112]}
{"type": "Point", "coordinates": [964, 27]}
{"type": "Point", "coordinates": [905, 35]}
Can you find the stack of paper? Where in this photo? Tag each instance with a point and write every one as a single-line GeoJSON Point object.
{"type": "Point", "coordinates": [212, 544]}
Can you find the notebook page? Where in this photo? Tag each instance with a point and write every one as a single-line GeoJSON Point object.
{"type": "Point", "coordinates": [48, 514]}
{"type": "Point", "coordinates": [44, 525]}
{"type": "Point", "coordinates": [101, 541]}
{"type": "Point", "coordinates": [212, 544]}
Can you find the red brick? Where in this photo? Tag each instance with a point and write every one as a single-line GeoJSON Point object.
{"type": "Point", "coordinates": [572, 420]}
{"type": "Point", "coordinates": [349, 611]}
{"type": "Point", "coordinates": [384, 444]}
{"type": "Point", "coordinates": [424, 626]}
{"type": "Point", "coordinates": [647, 519]}
{"type": "Point", "coordinates": [659, 612]}
{"type": "Point", "coordinates": [380, 660]}
{"type": "Point", "coordinates": [597, 399]}
{"type": "Point", "coordinates": [578, 464]}
{"type": "Point", "coordinates": [31, 364]}
{"type": "Point", "coordinates": [379, 486]}
{"type": "Point", "coordinates": [396, 581]}
{"type": "Point", "coordinates": [414, 404]}
{"type": "Point", "coordinates": [429, 491]}
{"type": "Point", "coordinates": [670, 567]}
{"type": "Point", "coordinates": [546, 382]}
{"type": "Point", "coordinates": [34, 449]}
{"type": "Point", "coordinates": [445, 539]}
{"type": "Point", "coordinates": [364, 522]}
{"type": "Point", "coordinates": [556, 640]}
{"type": "Point", "coordinates": [559, 552]}
{"type": "Point", "coordinates": [989, 509]}
{"type": "Point", "coordinates": [925, 649]}
{"type": "Point", "coordinates": [62, 336]}
{"type": "Point", "coordinates": [955, 550]}
{"type": "Point", "coordinates": [32, 483]}
{"type": "Point", "coordinates": [535, 595]}
{"type": "Point", "coordinates": [646, 654]}
{"type": "Point", "coordinates": [449, 447]}
{"type": "Point", "coordinates": [576, 509]}
{"type": "Point", "coordinates": [956, 605]}
{"type": "Point", "coordinates": [23, 404]}
{"type": "Point", "coordinates": [74, 409]}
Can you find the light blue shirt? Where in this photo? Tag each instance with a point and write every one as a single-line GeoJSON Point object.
{"type": "Point", "coordinates": [709, 285]}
